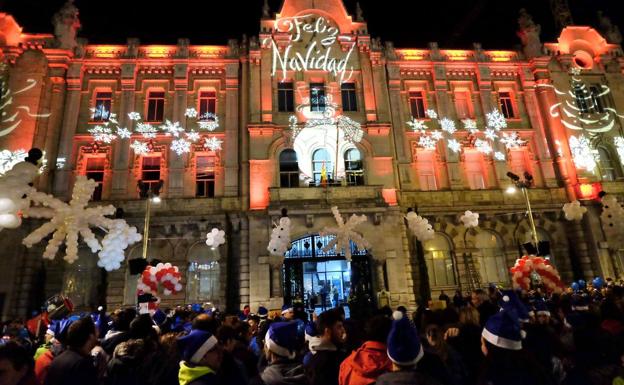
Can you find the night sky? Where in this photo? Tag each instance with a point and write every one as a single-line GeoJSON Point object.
{"type": "Point", "coordinates": [453, 24]}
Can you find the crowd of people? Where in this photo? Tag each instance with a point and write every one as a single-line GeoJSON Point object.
{"type": "Point", "coordinates": [490, 337]}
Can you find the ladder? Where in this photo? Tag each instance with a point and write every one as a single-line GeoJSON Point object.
{"type": "Point", "coordinates": [474, 277]}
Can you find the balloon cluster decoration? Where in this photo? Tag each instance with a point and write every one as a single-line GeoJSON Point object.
{"type": "Point", "coordinates": [419, 226]}
{"type": "Point", "coordinates": [280, 237]}
{"type": "Point", "coordinates": [470, 219]}
{"type": "Point", "coordinates": [215, 238]}
{"type": "Point", "coordinates": [528, 265]}
{"type": "Point", "coordinates": [69, 220]}
{"type": "Point", "coordinates": [574, 211]}
{"type": "Point", "coordinates": [612, 219]}
{"type": "Point", "coordinates": [13, 187]}
{"type": "Point", "coordinates": [345, 234]}
{"type": "Point", "coordinates": [165, 274]}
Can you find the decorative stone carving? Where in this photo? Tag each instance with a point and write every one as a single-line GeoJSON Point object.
{"type": "Point", "coordinates": [66, 25]}
{"type": "Point", "coordinates": [133, 47]}
{"type": "Point", "coordinates": [375, 44]}
{"type": "Point", "coordinates": [266, 10]}
{"type": "Point", "coordinates": [81, 47]}
{"type": "Point", "coordinates": [390, 51]}
{"type": "Point", "coordinates": [233, 48]}
{"type": "Point", "coordinates": [529, 34]}
{"type": "Point", "coordinates": [359, 15]}
{"type": "Point", "coordinates": [253, 43]}
{"type": "Point", "coordinates": [610, 31]}
{"type": "Point", "coordinates": [434, 51]}
{"type": "Point", "coordinates": [182, 50]}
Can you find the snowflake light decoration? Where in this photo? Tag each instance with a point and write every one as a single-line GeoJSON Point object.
{"type": "Point", "coordinates": [102, 134]}
{"type": "Point", "coordinates": [345, 234]}
{"type": "Point", "coordinates": [499, 156]}
{"type": "Point", "coordinates": [213, 143]}
{"type": "Point", "coordinates": [417, 125]}
{"type": "Point", "coordinates": [100, 113]}
{"type": "Point", "coordinates": [490, 134]}
{"type": "Point", "coordinates": [193, 136]}
{"type": "Point", "coordinates": [123, 133]}
{"type": "Point", "coordinates": [512, 140]}
{"type": "Point", "coordinates": [483, 146]}
{"type": "Point", "coordinates": [436, 135]}
{"type": "Point", "coordinates": [619, 146]}
{"type": "Point", "coordinates": [431, 114]}
{"type": "Point", "coordinates": [147, 130]}
{"type": "Point", "coordinates": [172, 128]}
{"type": "Point", "coordinates": [469, 124]}
{"type": "Point", "coordinates": [181, 146]}
{"type": "Point", "coordinates": [582, 153]}
{"type": "Point", "coordinates": [8, 159]}
{"type": "Point", "coordinates": [448, 125]}
{"type": "Point", "coordinates": [575, 71]}
{"type": "Point", "coordinates": [209, 121]}
{"type": "Point", "coordinates": [454, 145]}
{"type": "Point", "coordinates": [427, 142]}
{"type": "Point", "coordinates": [496, 120]}
{"type": "Point", "coordinates": [134, 116]}
{"type": "Point", "coordinates": [191, 113]}
{"type": "Point", "coordinates": [140, 148]}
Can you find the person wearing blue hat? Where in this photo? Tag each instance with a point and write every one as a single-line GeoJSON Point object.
{"type": "Point", "coordinates": [288, 313]}
{"type": "Point", "coordinates": [505, 361]}
{"type": "Point", "coordinates": [201, 358]}
{"type": "Point", "coordinates": [263, 313]}
{"type": "Point", "coordinates": [312, 340]}
{"type": "Point", "coordinates": [280, 348]}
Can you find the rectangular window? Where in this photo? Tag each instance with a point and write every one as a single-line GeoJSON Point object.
{"type": "Point", "coordinates": [285, 97]}
{"type": "Point", "coordinates": [596, 99]}
{"type": "Point", "coordinates": [426, 171]}
{"type": "Point", "coordinates": [95, 171]}
{"type": "Point", "coordinates": [102, 107]}
{"type": "Point", "coordinates": [417, 104]}
{"type": "Point", "coordinates": [207, 105]}
{"type": "Point", "coordinates": [517, 162]}
{"type": "Point", "coordinates": [150, 170]}
{"type": "Point", "coordinates": [317, 97]}
{"type": "Point", "coordinates": [205, 177]}
{"type": "Point", "coordinates": [349, 97]}
{"type": "Point", "coordinates": [474, 170]}
{"type": "Point", "coordinates": [155, 106]}
{"type": "Point", "coordinates": [463, 105]}
{"type": "Point", "coordinates": [506, 105]}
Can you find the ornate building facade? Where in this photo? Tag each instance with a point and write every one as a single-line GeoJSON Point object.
{"type": "Point", "coordinates": [423, 139]}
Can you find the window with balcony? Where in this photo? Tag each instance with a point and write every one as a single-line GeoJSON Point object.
{"type": "Point", "coordinates": [207, 104]}
{"type": "Point", "coordinates": [102, 106]}
{"type": "Point", "coordinates": [417, 104]}
{"type": "Point", "coordinates": [506, 104]}
{"type": "Point", "coordinates": [322, 167]}
{"type": "Point", "coordinates": [155, 106]}
{"type": "Point", "coordinates": [349, 97]}
{"type": "Point", "coordinates": [289, 169]}
{"type": "Point", "coordinates": [285, 97]}
{"type": "Point", "coordinates": [205, 177]}
{"type": "Point", "coordinates": [354, 169]}
{"type": "Point", "coordinates": [317, 97]}
{"type": "Point", "coordinates": [95, 171]}
{"type": "Point", "coordinates": [150, 171]}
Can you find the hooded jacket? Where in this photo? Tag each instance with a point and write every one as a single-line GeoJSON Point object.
{"type": "Point", "coordinates": [365, 364]}
{"type": "Point", "coordinates": [196, 375]}
{"type": "Point", "coordinates": [286, 373]}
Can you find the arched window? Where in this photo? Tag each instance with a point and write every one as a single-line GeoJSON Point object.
{"type": "Point", "coordinates": [353, 167]}
{"type": "Point", "coordinates": [289, 169]}
{"type": "Point", "coordinates": [204, 275]}
{"type": "Point", "coordinates": [492, 261]}
{"type": "Point", "coordinates": [321, 164]}
{"type": "Point", "coordinates": [439, 262]}
{"type": "Point", "coordinates": [607, 166]}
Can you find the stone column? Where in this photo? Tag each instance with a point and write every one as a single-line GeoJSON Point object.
{"type": "Point", "coordinates": [231, 130]}
{"type": "Point", "coordinates": [266, 86]}
{"type": "Point", "coordinates": [276, 264]}
{"type": "Point", "coordinates": [368, 89]}
{"type": "Point", "coordinates": [50, 143]}
{"type": "Point", "coordinates": [379, 283]}
{"type": "Point", "coordinates": [123, 183]}
{"type": "Point", "coordinates": [175, 175]}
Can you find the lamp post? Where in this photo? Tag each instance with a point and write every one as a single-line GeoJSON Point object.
{"type": "Point", "coordinates": [524, 185]}
{"type": "Point", "coordinates": [151, 193]}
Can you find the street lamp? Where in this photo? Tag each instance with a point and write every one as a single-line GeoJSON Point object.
{"type": "Point", "coordinates": [151, 193]}
{"type": "Point", "coordinates": [524, 185]}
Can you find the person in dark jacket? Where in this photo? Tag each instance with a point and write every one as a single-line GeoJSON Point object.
{"type": "Point", "coordinates": [75, 366]}
{"type": "Point", "coordinates": [16, 365]}
{"type": "Point", "coordinates": [201, 358]}
{"type": "Point", "coordinates": [119, 333]}
{"type": "Point", "coordinates": [324, 366]}
{"type": "Point", "coordinates": [405, 351]}
{"type": "Point", "coordinates": [280, 348]}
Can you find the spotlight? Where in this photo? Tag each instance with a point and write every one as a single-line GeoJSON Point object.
{"type": "Point", "coordinates": [511, 190]}
{"type": "Point", "coordinates": [513, 176]}
{"type": "Point", "coordinates": [156, 199]}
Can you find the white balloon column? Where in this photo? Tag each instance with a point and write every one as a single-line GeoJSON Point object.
{"type": "Point", "coordinates": [215, 238]}
{"type": "Point", "coordinates": [345, 234]}
{"type": "Point", "coordinates": [419, 226]}
{"type": "Point", "coordinates": [13, 187]}
{"type": "Point", "coordinates": [470, 219]}
{"type": "Point", "coordinates": [574, 211]}
{"type": "Point", "coordinates": [612, 218]}
{"type": "Point", "coordinates": [69, 220]}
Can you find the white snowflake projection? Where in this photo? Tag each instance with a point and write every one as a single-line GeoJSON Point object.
{"type": "Point", "coordinates": [102, 134]}
{"type": "Point", "coordinates": [417, 125]}
{"type": "Point", "coordinates": [583, 155]}
{"type": "Point", "coordinates": [181, 146]}
{"type": "Point", "coordinates": [499, 156]}
{"type": "Point", "coordinates": [193, 136]}
{"type": "Point", "coordinates": [140, 148]}
{"type": "Point", "coordinates": [437, 135]}
{"type": "Point", "coordinates": [172, 128]}
{"type": "Point", "coordinates": [295, 128]}
{"type": "Point", "coordinates": [351, 130]}
{"type": "Point", "coordinates": [100, 113]}
{"type": "Point", "coordinates": [496, 120]}
{"type": "Point", "coordinates": [190, 113]}
{"type": "Point", "coordinates": [619, 146]}
{"type": "Point", "coordinates": [147, 130]}
{"type": "Point", "coordinates": [431, 114]}
{"type": "Point", "coordinates": [345, 234]}
{"type": "Point", "coordinates": [134, 116]}
{"type": "Point", "coordinates": [208, 121]}
{"type": "Point", "coordinates": [512, 140]}
{"type": "Point", "coordinates": [213, 143]}
{"type": "Point", "coordinates": [454, 145]}
{"type": "Point", "coordinates": [427, 142]}
{"type": "Point", "coordinates": [469, 124]}
{"type": "Point", "coordinates": [123, 133]}
{"type": "Point", "coordinates": [490, 134]}
{"type": "Point", "coordinates": [8, 159]}
{"type": "Point", "coordinates": [70, 220]}
{"type": "Point", "coordinates": [483, 146]}
{"type": "Point", "coordinates": [575, 71]}
{"type": "Point", "coordinates": [448, 125]}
